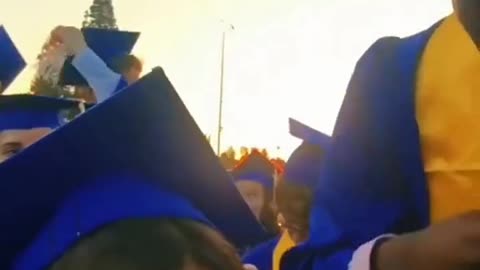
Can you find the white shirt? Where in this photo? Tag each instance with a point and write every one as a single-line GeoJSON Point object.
{"type": "Point", "coordinates": [362, 256]}
{"type": "Point", "coordinates": [99, 76]}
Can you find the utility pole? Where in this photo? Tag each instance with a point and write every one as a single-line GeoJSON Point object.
{"type": "Point", "coordinates": [222, 72]}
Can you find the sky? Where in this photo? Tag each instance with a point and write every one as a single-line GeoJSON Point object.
{"type": "Point", "coordinates": [285, 58]}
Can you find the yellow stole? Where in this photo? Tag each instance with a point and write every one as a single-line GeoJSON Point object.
{"type": "Point", "coordinates": [284, 244]}
{"type": "Point", "coordinates": [448, 115]}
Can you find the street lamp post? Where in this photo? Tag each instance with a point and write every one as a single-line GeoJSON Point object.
{"type": "Point", "coordinates": [222, 72]}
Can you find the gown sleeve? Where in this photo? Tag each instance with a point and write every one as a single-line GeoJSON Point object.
{"type": "Point", "coordinates": [99, 76]}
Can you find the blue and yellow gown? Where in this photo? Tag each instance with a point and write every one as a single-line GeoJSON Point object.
{"type": "Point", "coordinates": [301, 170]}
{"type": "Point", "coordinates": [405, 151]}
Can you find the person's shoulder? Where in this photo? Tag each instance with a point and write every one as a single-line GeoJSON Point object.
{"type": "Point", "coordinates": [261, 255]}
{"type": "Point", "coordinates": [380, 49]}
{"type": "Point", "coordinates": [384, 43]}
{"type": "Point", "coordinates": [261, 251]}
{"type": "Point", "coordinates": [386, 46]}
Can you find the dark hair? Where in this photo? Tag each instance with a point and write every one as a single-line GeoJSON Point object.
{"type": "Point", "coordinates": [146, 244]}
{"type": "Point", "coordinates": [125, 63]}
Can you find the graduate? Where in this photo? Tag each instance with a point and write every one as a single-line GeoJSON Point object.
{"type": "Point", "coordinates": [150, 196]}
{"type": "Point", "coordinates": [399, 187]}
{"type": "Point", "coordinates": [293, 196]}
{"type": "Point", "coordinates": [24, 119]}
{"type": "Point", "coordinates": [99, 60]}
{"type": "Point", "coordinates": [254, 179]}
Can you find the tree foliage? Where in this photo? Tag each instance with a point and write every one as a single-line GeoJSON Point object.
{"type": "Point", "coordinates": [230, 158]}
{"type": "Point", "coordinates": [100, 15]}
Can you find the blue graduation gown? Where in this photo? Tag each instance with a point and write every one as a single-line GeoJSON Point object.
{"type": "Point", "coordinates": [262, 255]}
{"type": "Point", "coordinates": [373, 180]}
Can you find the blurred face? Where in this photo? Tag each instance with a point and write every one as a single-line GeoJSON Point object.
{"type": "Point", "coordinates": [14, 141]}
{"type": "Point", "coordinates": [294, 203]}
{"type": "Point", "coordinates": [295, 219]}
{"type": "Point", "coordinates": [253, 193]}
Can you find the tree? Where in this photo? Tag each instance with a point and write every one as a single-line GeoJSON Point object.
{"type": "Point", "coordinates": [265, 153]}
{"type": "Point", "coordinates": [244, 151]}
{"type": "Point", "coordinates": [231, 154]}
{"type": "Point", "coordinates": [100, 15]}
{"type": "Point", "coordinates": [228, 159]}
{"type": "Point", "coordinates": [86, 19]}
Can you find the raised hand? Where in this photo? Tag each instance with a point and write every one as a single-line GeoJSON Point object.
{"type": "Point", "coordinates": [70, 38]}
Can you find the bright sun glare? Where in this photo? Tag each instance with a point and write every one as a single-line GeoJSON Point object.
{"type": "Point", "coordinates": [290, 58]}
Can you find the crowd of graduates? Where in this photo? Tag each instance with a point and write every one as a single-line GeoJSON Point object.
{"type": "Point", "coordinates": [117, 186]}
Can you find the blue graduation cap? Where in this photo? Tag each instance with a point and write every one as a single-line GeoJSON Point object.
{"type": "Point", "coordinates": [110, 45]}
{"type": "Point", "coordinates": [11, 61]}
{"type": "Point", "coordinates": [303, 166]}
{"type": "Point", "coordinates": [113, 163]}
{"type": "Point", "coordinates": [25, 111]}
{"type": "Point", "coordinates": [255, 167]}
